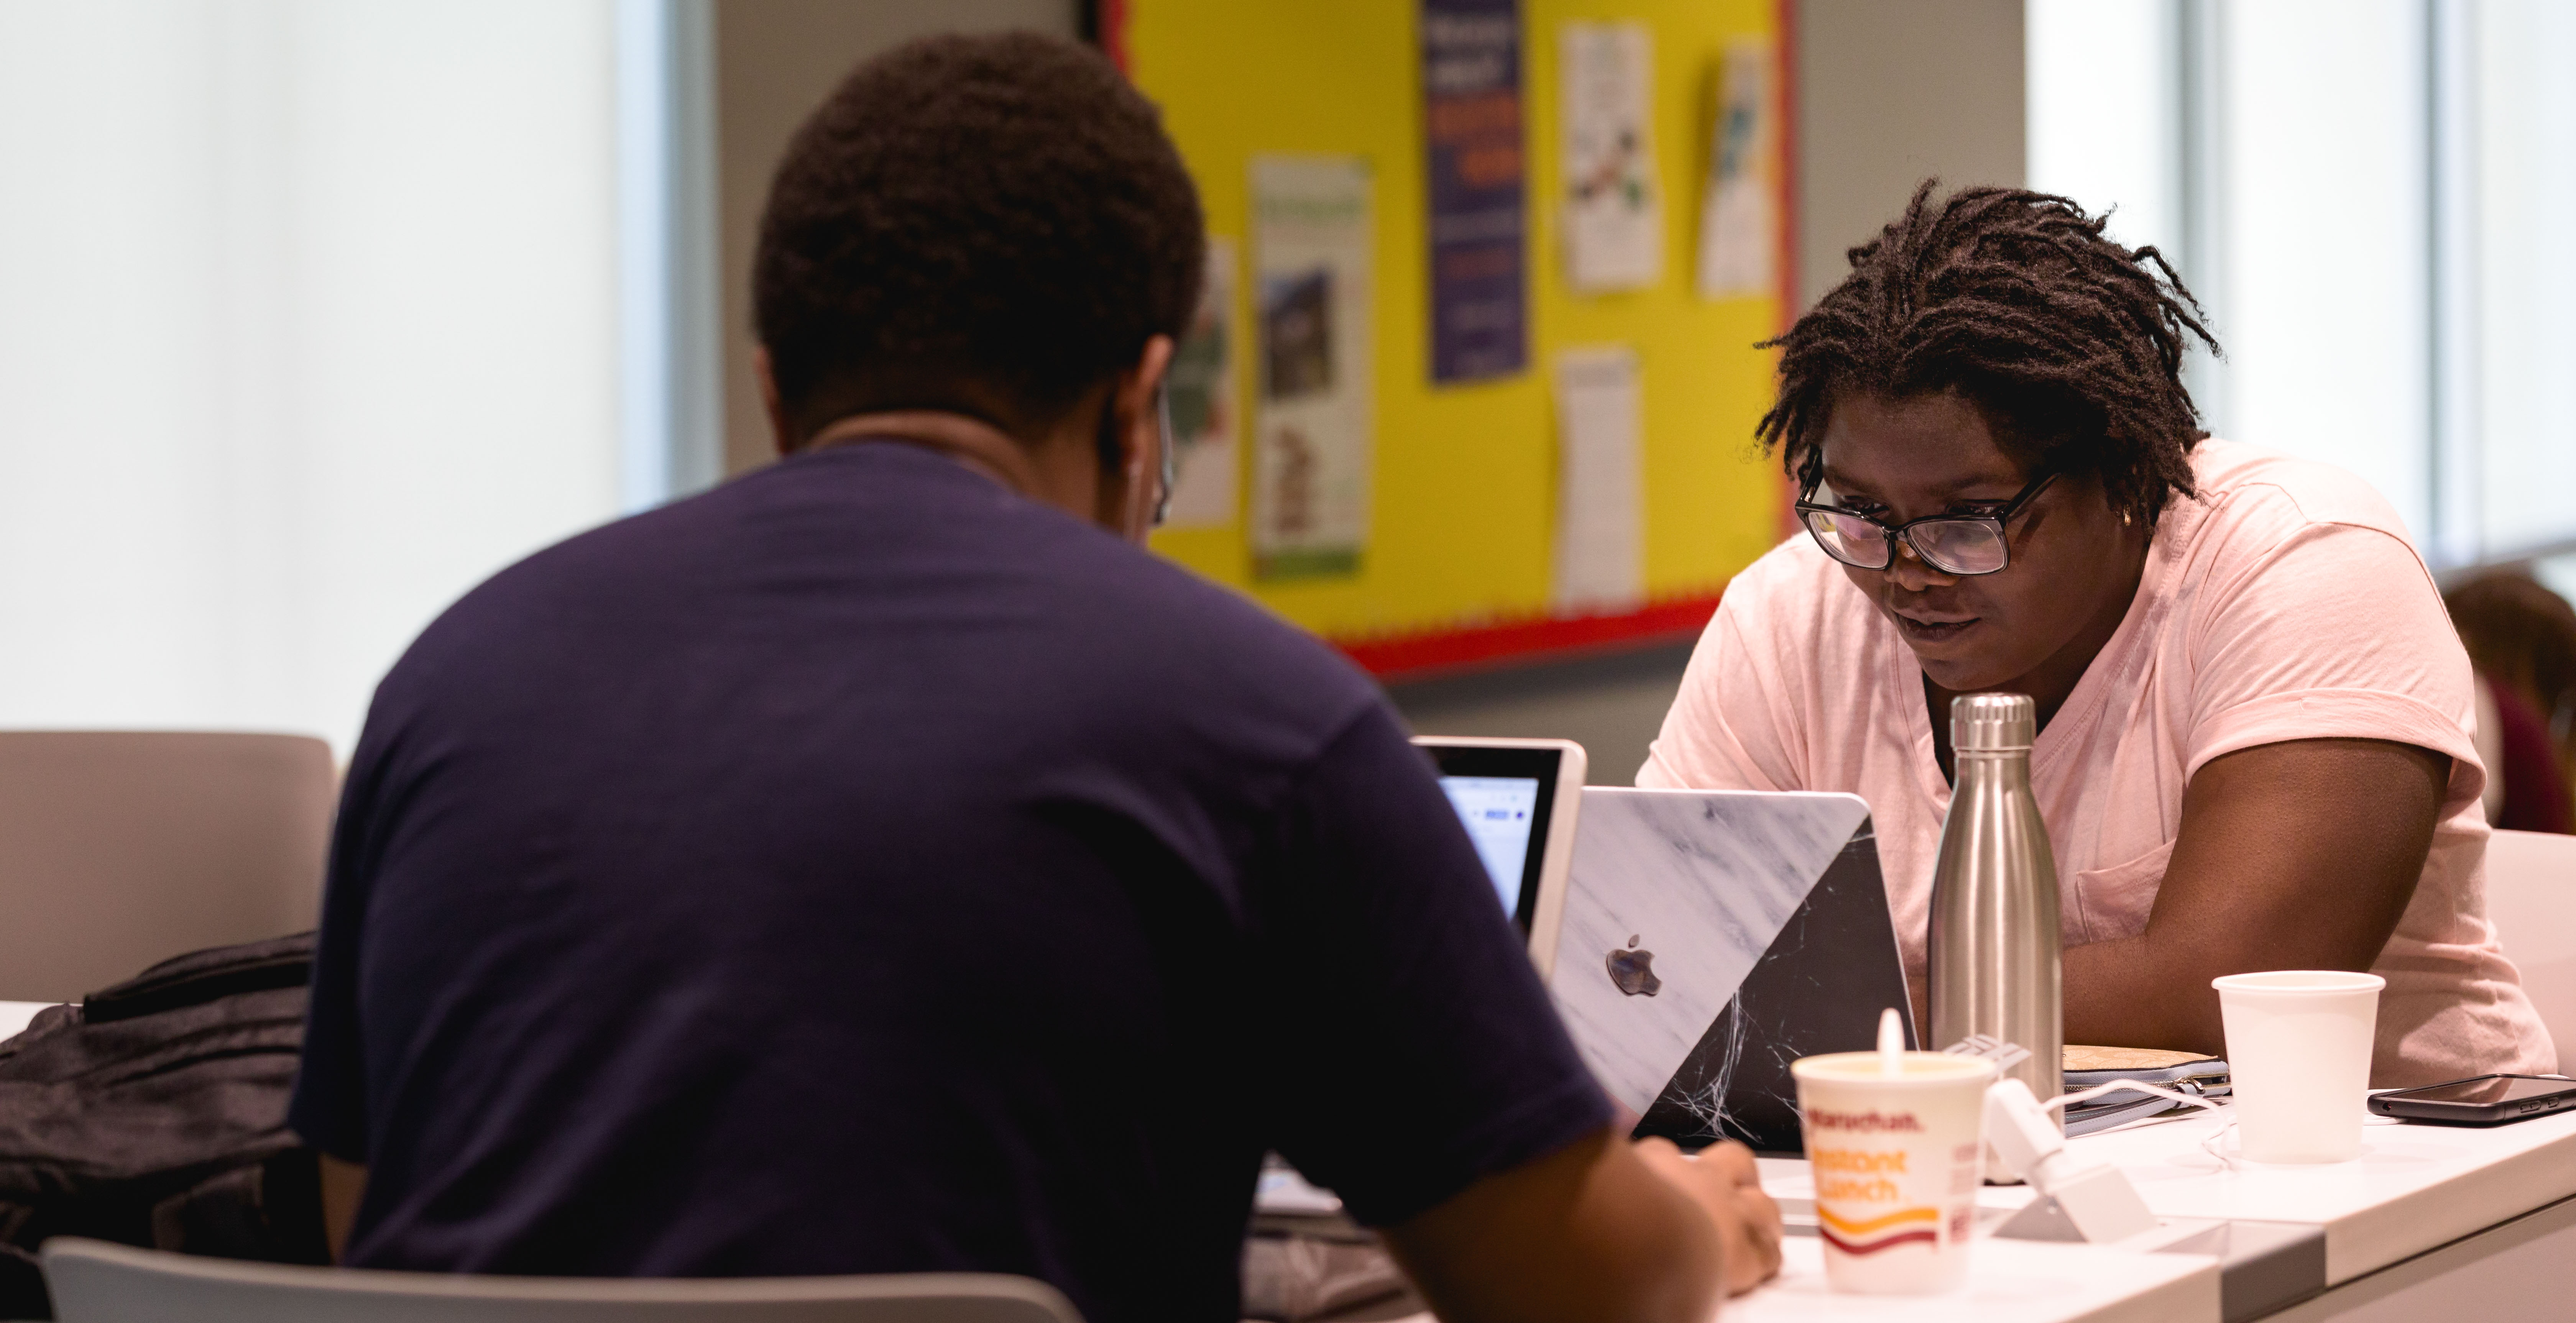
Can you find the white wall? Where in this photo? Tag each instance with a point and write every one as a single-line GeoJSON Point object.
{"type": "Point", "coordinates": [775, 62]}
{"type": "Point", "coordinates": [1891, 92]}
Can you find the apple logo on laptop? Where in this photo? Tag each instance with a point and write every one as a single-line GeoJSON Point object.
{"type": "Point", "coordinates": [1634, 970]}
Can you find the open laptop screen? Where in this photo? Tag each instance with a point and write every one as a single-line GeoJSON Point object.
{"type": "Point", "coordinates": [1496, 811]}
{"type": "Point", "coordinates": [1505, 797]}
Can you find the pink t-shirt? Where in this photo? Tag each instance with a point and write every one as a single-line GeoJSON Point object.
{"type": "Point", "coordinates": [2284, 604]}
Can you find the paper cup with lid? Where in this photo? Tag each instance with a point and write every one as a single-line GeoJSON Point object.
{"type": "Point", "coordinates": [1897, 1161]}
{"type": "Point", "coordinates": [2298, 1051]}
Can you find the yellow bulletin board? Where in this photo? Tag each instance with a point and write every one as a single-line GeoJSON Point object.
{"type": "Point", "coordinates": [1457, 562]}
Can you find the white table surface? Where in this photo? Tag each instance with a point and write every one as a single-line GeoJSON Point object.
{"type": "Point", "coordinates": [2009, 1281]}
{"type": "Point", "coordinates": [2414, 1188]}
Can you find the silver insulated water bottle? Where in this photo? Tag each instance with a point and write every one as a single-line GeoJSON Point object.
{"type": "Point", "coordinates": [1994, 943]}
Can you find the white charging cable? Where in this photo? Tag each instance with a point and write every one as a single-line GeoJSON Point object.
{"type": "Point", "coordinates": [2087, 1095]}
{"type": "Point", "coordinates": [2206, 1145]}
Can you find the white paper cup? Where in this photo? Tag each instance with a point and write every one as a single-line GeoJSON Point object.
{"type": "Point", "coordinates": [2298, 1058]}
{"type": "Point", "coordinates": [1897, 1164]}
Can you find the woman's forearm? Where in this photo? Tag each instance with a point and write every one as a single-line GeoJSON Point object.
{"type": "Point", "coordinates": [2125, 993]}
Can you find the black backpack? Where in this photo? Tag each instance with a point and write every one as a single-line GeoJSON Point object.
{"type": "Point", "coordinates": [154, 1114]}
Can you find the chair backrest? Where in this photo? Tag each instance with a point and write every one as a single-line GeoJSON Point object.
{"type": "Point", "coordinates": [119, 849]}
{"type": "Point", "coordinates": [2531, 899]}
{"type": "Point", "coordinates": [96, 1282]}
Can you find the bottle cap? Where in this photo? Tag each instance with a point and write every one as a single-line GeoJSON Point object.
{"type": "Point", "coordinates": [1990, 723]}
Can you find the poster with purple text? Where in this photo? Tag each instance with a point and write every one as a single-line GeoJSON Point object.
{"type": "Point", "coordinates": [1471, 89]}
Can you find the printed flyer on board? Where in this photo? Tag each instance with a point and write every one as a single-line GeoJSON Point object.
{"type": "Point", "coordinates": [1614, 218]}
{"type": "Point", "coordinates": [1739, 225]}
{"type": "Point", "coordinates": [1471, 88]}
{"type": "Point", "coordinates": [1310, 492]}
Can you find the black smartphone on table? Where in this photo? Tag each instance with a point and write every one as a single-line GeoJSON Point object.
{"type": "Point", "coordinates": [2486, 1100]}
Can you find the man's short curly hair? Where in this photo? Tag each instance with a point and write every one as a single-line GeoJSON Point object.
{"type": "Point", "coordinates": [991, 225]}
{"type": "Point", "coordinates": [2070, 345]}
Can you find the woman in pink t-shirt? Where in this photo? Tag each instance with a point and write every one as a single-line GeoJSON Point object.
{"type": "Point", "coordinates": [2254, 748]}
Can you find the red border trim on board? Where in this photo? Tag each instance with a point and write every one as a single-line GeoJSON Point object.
{"type": "Point", "coordinates": [1516, 642]}
{"type": "Point", "coordinates": [1113, 33]}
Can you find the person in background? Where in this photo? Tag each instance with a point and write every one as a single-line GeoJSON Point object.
{"type": "Point", "coordinates": [2254, 747]}
{"type": "Point", "coordinates": [2521, 639]}
{"type": "Point", "coordinates": [881, 863]}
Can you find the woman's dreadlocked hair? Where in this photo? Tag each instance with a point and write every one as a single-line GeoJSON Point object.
{"type": "Point", "coordinates": [2069, 344]}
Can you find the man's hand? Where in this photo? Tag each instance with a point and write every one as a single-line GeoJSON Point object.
{"type": "Point", "coordinates": [344, 1184]}
{"type": "Point", "coordinates": [1602, 1230]}
{"type": "Point", "coordinates": [1723, 1181]}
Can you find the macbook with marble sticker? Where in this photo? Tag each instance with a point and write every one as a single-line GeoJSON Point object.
{"type": "Point", "coordinates": [1708, 939]}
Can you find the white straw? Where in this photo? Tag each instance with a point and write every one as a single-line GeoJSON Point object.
{"type": "Point", "coordinates": [1891, 1044]}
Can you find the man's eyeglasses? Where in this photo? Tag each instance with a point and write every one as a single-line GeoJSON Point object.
{"type": "Point", "coordinates": [1169, 474]}
{"type": "Point", "coordinates": [1171, 470]}
{"type": "Point", "coordinates": [1952, 544]}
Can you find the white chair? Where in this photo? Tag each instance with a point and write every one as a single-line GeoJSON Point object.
{"type": "Point", "coordinates": [2531, 899]}
{"type": "Point", "coordinates": [120, 849]}
{"type": "Point", "coordinates": [96, 1282]}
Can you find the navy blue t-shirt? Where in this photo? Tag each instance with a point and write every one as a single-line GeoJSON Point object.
{"type": "Point", "coordinates": [861, 868]}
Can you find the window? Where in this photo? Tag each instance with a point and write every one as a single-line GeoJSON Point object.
{"type": "Point", "coordinates": [310, 318]}
{"type": "Point", "coordinates": [2522, 195]}
{"type": "Point", "coordinates": [2362, 194]}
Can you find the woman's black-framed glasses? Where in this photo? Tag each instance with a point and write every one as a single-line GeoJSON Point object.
{"type": "Point", "coordinates": [1952, 544]}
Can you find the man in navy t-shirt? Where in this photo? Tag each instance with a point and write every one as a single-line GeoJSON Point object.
{"type": "Point", "coordinates": [880, 863]}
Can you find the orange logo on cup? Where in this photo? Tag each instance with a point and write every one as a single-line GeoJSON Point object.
{"type": "Point", "coordinates": [1867, 1176]}
{"type": "Point", "coordinates": [1879, 1233]}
